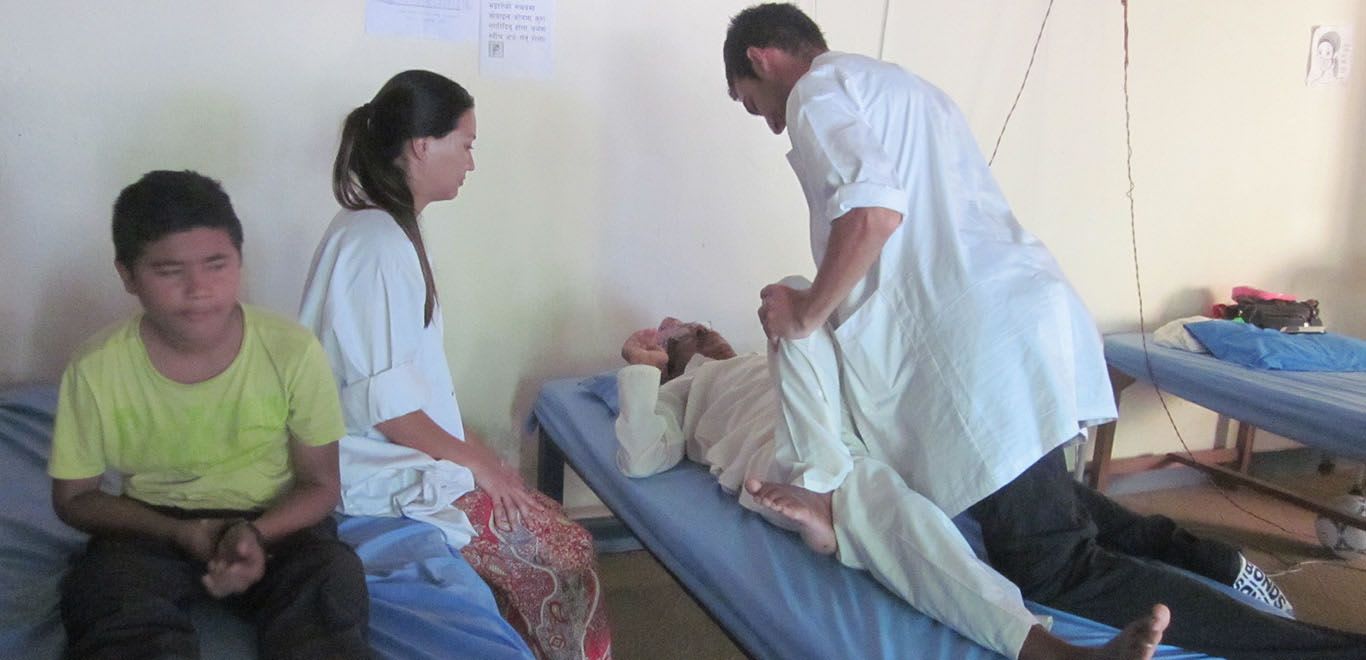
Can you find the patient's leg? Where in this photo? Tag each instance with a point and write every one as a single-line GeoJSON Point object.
{"type": "Point", "coordinates": [916, 551]}
{"type": "Point", "coordinates": [875, 523]}
{"type": "Point", "coordinates": [813, 445]}
{"type": "Point", "coordinates": [805, 512]}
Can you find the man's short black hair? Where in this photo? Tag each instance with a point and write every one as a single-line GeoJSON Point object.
{"type": "Point", "coordinates": [164, 202]}
{"type": "Point", "coordinates": [770, 25]}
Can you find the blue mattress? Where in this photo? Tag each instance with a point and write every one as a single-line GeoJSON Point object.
{"type": "Point", "coordinates": [425, 601]}
{"type": "Point", "coordinates": [774, 596]}
{"type": "Point", "coordinates": [1323, 409]}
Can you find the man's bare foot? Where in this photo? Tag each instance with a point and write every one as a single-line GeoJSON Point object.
{"type": "Point", "coordinates": [1138, 641]}
{"type": "Point", "coordinates": [809, 511]}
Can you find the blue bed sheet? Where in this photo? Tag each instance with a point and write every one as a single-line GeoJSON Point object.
{"type": "Point", "coordinates": [35, 544]}
{"type": "Point", "coordinates": [1323, 409]}
{"type": "Point", "coordinates": [763, 585]}
{"type": "Point", "coordinates": [425, 600]}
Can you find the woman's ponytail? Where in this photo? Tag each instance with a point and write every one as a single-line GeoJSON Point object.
{"type": "Point", "coordinates": [345, 186]}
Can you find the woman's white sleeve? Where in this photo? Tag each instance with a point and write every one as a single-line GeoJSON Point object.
{"type": "Point", "coordinates": [374, 311]}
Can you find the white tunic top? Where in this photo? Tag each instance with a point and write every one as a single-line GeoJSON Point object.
{"type": "Point", "coordinates": [364, 299]}
{"type": "Point", "coordinates": [967, 355]}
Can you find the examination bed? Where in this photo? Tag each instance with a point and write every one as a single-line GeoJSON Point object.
{"type": "Point", "coordinates": [1322, 409]}
{"type": "Point", "coordinates": [762, 585]}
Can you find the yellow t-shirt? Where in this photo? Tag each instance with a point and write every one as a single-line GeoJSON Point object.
{"type": "Point", "coordinates": [217, 444]}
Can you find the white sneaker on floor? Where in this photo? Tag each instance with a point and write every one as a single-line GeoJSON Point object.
{"type": "Point", "coordinates": [1254, 582]}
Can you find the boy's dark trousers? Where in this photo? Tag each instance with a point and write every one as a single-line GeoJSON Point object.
{"type": "Point", "coordinates": [125, 597]}
{"type": "Point", "coordinates": [1069, 547]}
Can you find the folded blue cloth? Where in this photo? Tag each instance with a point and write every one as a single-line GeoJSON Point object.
{"type": "Point", "coordinates": [1260, 348]}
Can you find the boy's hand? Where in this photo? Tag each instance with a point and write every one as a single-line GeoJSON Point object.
{"type": "Point", "coordinates": [239, 561]}
{"type": "Point", "coordinates": [199, 537]}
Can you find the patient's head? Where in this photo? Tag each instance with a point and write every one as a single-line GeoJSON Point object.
{"type": "Point", "coordinates": [684, 340]}
{"type": "Point", "coordinates": [673, 344]}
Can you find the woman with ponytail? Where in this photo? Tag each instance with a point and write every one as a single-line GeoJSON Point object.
{"type": "Point", "coordinates": [372, 301]}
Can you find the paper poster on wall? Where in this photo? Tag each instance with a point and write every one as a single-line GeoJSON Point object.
{"type": "Point", "coordinates": [1330, 55]}
{"type": "Point", "coordinates": [441, 20]}
{"type": "Point", "coordinates": [517, 38]}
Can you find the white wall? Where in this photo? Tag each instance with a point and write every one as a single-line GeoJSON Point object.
{"type": "Point", "coordinates": [630, 186]}
{"type": "Point", "coordinates": [1242, 174]}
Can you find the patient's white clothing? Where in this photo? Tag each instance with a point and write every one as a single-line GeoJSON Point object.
{"type": "Point", "coordinates": [724, 414]}
{"type": "Point", "coordinates": [364, 299]}
{"type": "Point", "coordinates": [965, 354]}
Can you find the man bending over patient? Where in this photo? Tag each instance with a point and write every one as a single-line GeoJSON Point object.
{"type": "Point", "coordinates": [722, 410]}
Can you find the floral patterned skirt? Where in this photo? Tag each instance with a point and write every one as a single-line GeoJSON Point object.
{"type": "Point", "coordinates": [544, 576]}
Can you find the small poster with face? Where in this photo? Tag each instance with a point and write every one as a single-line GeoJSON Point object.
{"type": "Point", "coordinates": [1330, 55]}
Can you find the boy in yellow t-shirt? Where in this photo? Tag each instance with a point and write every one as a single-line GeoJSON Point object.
{"type": "Point", "coordinates": [223, 421]}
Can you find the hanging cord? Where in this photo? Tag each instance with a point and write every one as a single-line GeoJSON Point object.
{"type": "Point", "coordinates": [1028, 68]}
{"type": "Point", "coordinates": [882, 38]}
{"type": "Point", "coordinates": [1299, 566]}
{"type": "Point", "coordinates": [1138, 282]}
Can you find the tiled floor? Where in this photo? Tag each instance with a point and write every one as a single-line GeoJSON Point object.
{"type": "Point", "coordinates": [654, 619]}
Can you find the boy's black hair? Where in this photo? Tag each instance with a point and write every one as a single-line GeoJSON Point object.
{"type": "Point", "coordinates": [770, 25]}
{"type": "Point", "coordinates": [164, 202]}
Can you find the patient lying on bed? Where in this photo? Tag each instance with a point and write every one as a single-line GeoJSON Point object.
{"type": "Point", "coordinates": [687, 393]}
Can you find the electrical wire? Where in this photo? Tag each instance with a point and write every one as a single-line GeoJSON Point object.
{"type": "Point", "coordinates": [1301, 565]}
{"type": "Point", "coordinates": [1138, 282]}
{"type": "Point", "coordinates": [882, 38]}
{"type": "Point", "coordinates": [1028, 68]}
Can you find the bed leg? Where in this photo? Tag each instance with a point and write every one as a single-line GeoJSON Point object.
{"type": "Point", "coordinates": [1099, 476]}
{"type": "Point", "coordinates": [1246, 435]}
{"type": "Point", "coordinates": [549, 468]}
{"type": "Point", "coordinates": [1100, 457]}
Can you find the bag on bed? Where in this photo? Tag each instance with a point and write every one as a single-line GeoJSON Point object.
{"type": "Point", "coordinates": [1272, 314]}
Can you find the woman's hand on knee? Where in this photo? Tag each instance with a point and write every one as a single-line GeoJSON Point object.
{"type": "Point", "coordinates": [504, 486]}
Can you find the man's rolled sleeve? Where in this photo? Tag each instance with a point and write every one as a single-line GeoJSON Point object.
{"type": "Point", "coordinates": [830, 136]}
{"type": "Point", "coordinates": [865, 195]}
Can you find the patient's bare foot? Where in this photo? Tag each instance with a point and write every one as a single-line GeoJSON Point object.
{"type": "Point", "coordinates": [808, 510]}
{"type": "Point", "coordinates": [1140, 638]}
{"type": "Point", "coordinates": [1137, 641]}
